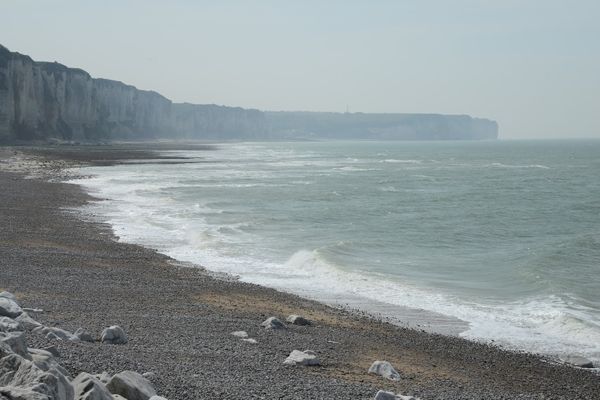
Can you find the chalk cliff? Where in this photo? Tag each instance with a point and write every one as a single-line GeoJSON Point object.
{"type": "Point", "coordinates": [42, 100]}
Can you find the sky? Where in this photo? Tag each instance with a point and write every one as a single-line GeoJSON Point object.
{"type": "Point", "coordinates": [533, 66]}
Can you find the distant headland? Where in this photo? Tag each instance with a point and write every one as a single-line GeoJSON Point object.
{"type": "Point", "coordinates": [45, 101]}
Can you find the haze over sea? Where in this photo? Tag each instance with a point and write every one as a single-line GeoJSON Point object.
{"type": "Point", "coordinates": [504, 235]}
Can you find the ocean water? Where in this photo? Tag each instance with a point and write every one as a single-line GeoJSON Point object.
{"type": "Point", "coordinates": [504, 235]}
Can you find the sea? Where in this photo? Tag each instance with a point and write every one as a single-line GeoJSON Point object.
{"type": "Point", "coordinates": [501, 235]}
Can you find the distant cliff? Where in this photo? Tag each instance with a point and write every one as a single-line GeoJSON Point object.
{"type": "Point", "coordinates": [380, 126]}
{"type": "Point", "coordinates": [41, 101]}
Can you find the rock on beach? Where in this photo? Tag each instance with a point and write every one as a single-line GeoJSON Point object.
{"type": "Point", "coordinates": [114, 335]}
{"type": "Point", "coordinates": [9, 308]}
{"type": "Point", "coordinates": [298, 320]}
{"type": "Point", "coordinates": [307, 358]}
{"type": "Point", "coordinates": [273, 323]}
{"type": "Point", "coordinates": [131, 385]}
{"type": "Point", "coordinates": [385, 369]}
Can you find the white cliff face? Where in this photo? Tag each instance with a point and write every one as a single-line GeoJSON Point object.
{"type": "Point", "coordinates": [40, 100]}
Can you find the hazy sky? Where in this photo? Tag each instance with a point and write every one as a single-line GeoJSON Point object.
{"type": "Point", "coordinates": [534, 66]}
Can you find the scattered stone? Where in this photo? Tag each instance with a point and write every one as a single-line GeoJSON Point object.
{"type": "Point", "coordinates": [157, 398]}
{"type": "Point", "coordinates": [83, 335]}
{"type": "Point", "coordinates": [384, 369]}
{"type": "Point", "coordinates": [298, 320]}
{"type": "Point", "coordinates": [27, 322]}
{"type": "Point", "coordinates": [114, 335]}
{"type": "Point", "coordinates": [87, 387]}
{"type": "Point", "coordinates": [9, 308]}
{"type": "Point", "coordinates": [131, 385]}
{"type": "Point", "coordinates": [17, 343]}
{"type": "Point", "coordinates": [9, 325]}
{"type": "Point", "coordinates": [240, 334]}
{"type": "Point", "coordinates": [307, 358]}
{"type": "Point", "coordinates": [578, 361]}
{"type": "Point", "coordinates": [273, 323]}
{"type": "Point", "coordinates": [250, 340]}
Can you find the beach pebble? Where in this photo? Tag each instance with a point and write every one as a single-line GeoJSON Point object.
{"type": "Point", "coordinates": [83, 335]}
{"type": "Point", "coordinates": [250, 340]}
{"type": "Point", "coordinates": [273, 323]}
{"type": "Point", "coordinates": [385, 369]}
{"type": "Point", "coordinates": [88, 387]}
{"type": "Point", "coordinates": [578, 361]}
{"type": "Point", "coordinates": [298, 357]}
{"type": "Point", "coordinates": [240, 334]}
{"type": "Point", "coordinates": [114, 335]}
{"type": "Point", "coordinates": [131, 385]}
{"type": "Point", "coordinates": [298, 320]}
{"type": "Point", "coordinates": [27, 322]}
{"type": "Point", "coordinates": [9, 308]}
{"type": "Point", "coordinates": [17, 342]}
{"type": "Point", "coordinates": [9, 325]}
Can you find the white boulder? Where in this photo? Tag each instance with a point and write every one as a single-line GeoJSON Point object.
{"type": "Point", "coordinates": [131, 385]}
{"type": "Point", "coordinates": [27, 322]}
{"type": "Point", "coordinates": [9, 308]}
{"type": "Point", "coordinates": [298, 320]}
{"type": "Point", "coordinates": [307, 358]}
{"type": "Point", "coordinates": [9, 325]}
{"type": "Point", "coordinates": [8, 295]}
{"type": "Point", "coordinates": [87, 387]}
{"type": "Point", "coordinates": [114, 335]}
{"type": "Point", "coordinates": [17, 343]}
{"type": "Point", "coordinates": [83, 335]}
{"type": "Point", "coordinates": [273, 323]}
{"type": "Point", "coordinates": [240, 334]}
{"type": "Point", "coordinates": [385, 369]}
{"type": "Point", "coordinates": [15, 371]}
{"type": "Point", "coordinates": [382, 395]}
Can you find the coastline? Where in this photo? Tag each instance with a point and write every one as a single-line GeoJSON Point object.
{"type": "Point", "coordinates": [179, 319]}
